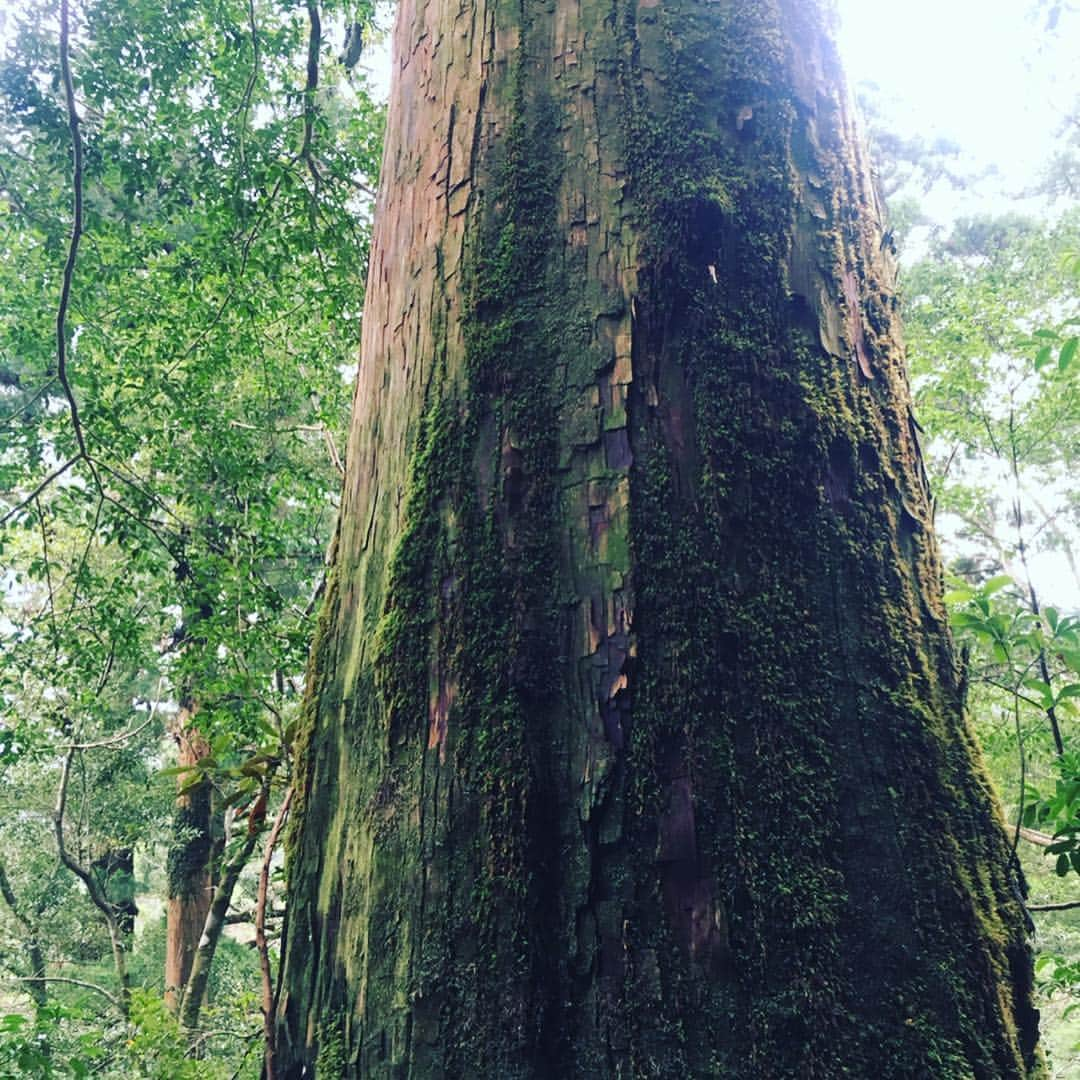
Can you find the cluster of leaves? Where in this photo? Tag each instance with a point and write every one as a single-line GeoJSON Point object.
{"type": "Point", "coordinates": [992, 314]}
{"type": "Point", "coordinates": [169, 431]}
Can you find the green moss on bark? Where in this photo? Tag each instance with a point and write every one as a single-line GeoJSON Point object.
{"type": "Point", "coordinates": [648, 755]}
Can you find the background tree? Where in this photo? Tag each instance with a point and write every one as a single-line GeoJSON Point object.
{"type": "Point", "coordinates": [184, 211]}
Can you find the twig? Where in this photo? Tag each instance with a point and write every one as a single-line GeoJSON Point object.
{"type": "Point", "coordinates": [57, 472]}
{"type": "Point", "coordinates": [83, 563]}
{"type": "Point", "coordinates": [332, 450]}
{"type": "Point", "coordinates": [26, 405]}
{"type": "Point", "coordinates": [252, 78]}
{"type": "Point", "coordinates": [124, 735]}
{"type": "Point", "coordinates": [72, 982]}
{"type": "Point", "coordinates": [48, 577]}
{"type": "Point", "coordinates": [1023, 778]}
{"type": "Point", "coordinates": [223, 306]}
{"type": "Point", "coordinates": [1067, 906]}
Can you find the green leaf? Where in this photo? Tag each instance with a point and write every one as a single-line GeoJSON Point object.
{"type": "Point", "coordinates": [957, 596]}
{"type": "Point", "coordinates": [1044, 690]}
{"type": "Point", "coordinates": [1068, 351]}
{"type": "Point", "coordinates": [1062, 867]}
{"type": "Point", "coordinates": [1043, 962]}
{"type": "Point", "coordinates": [1043, 357]}
{"type": "Point", "coordinates": [177, 770]}
{"type": "Point", "coordinates": [996, 584]}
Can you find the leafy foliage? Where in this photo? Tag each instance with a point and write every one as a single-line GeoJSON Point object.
{"type": "Point", "coordinates": [169, 436]}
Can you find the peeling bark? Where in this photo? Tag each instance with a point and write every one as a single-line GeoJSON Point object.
{"type": "Point", "coordinates": [635, 741]}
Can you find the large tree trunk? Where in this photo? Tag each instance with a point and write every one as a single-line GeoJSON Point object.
{"type": "Point", "coordinates": [636, 741]}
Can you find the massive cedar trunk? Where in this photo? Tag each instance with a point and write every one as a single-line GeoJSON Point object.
{"type": "Point", "coordinates": [636, 741]}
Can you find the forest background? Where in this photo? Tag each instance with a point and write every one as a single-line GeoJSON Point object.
{"type": "Point", "coordinates": [185, 195]}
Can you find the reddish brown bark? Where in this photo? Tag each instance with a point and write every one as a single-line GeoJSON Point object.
{"type": "Point", "coordinates": [636, 744]}
{"type": "Point", "coordinates": [190, 880]}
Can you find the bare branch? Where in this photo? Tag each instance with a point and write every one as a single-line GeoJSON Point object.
{"type": "Point", "coordinates": [112, 740]}
{"type": "Point", "coordinates": [55, 474]}
{"type": "Point", "coordinates": [111, 998]}
{"type": "Point", "coordinates": [76, 234]}
{"type": "Point", "coordinates": [1039, 839]}
{"type": "Point", "coordinates": [90, 883]}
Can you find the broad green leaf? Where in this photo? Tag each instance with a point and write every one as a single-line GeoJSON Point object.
{"type": "Point", "coordinates": [996, 584]}
{"type": "Point", "coordinates": [1068, 352]}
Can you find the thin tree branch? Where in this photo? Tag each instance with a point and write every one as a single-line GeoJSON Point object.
{"type": "Point", "coordinates": [252, 78]}
{"type": "Point", "coordinates": [1023, 780]}
{"type": "Point", "coordinates": [270, 1057]}
{"type": "Point", "coordinates": [332, 450]}
{"type": "Point", "coordinates": [244, 255]}
{"type": "Point", "coordinates": [192, 1000]}
{"type": "Point", "coordinates": [48, 578]}
{"type": "Point", "coordinates": [44, 389]}
{"type": "Point", "coordinates": [1032, 836]}
{"type": "Point", "coordinates": [311, 87]}
{"type": "Point", "coordinates": [76, 233]}
{"type": "Point", "coordinates": [111, 998]}
{"type": "Point", "coordinates": [1067, 906]}
{"type": "Point", "coordinates": [1044, 667]}
{"type": "Point", "coordinates": [124, 735]}
{"type": "Point", "coordinates": [57, 472]}
{"type": "Point", "coordinates": [36, 981]}
{"type": "Point", "coordinates": [90, 883]}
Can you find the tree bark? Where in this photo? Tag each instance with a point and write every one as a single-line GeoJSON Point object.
{"type": "Point", "coordinates": [94, 887]}
{"type": "Point", "coordinates": [635, 741]}
{"type": "Point", "coordinates": [189, 873]}
{"type": "Point", "coordinates": [194, 993]}
{"type": "Point", "coordinates": [31, 943]}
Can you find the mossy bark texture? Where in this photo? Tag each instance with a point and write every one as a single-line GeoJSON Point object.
{"type": "Point", "coordinates": [636, 745]}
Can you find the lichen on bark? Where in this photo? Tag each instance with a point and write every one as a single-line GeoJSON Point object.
{"type": "Point", "coordinates": [635, 744]}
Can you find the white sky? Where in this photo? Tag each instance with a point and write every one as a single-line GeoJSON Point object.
{"type": "Point", "coordinates": [986, 75]}
{"type": "Point", "coordinates": [982, 73]}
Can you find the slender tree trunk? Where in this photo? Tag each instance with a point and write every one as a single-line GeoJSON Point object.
{"type": "Point", "coordinates": [263, 946]}
{"type": "Point", "coordinates": [35, 956]}
{"type": "Point", "coordinates": [194, 993]}
{"type": "Point", "coordinates": [635, 743]}
{"type": "Point", "coordinates": [93, 885]}
{"type": "Point", "coordinates": [189, 874]}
